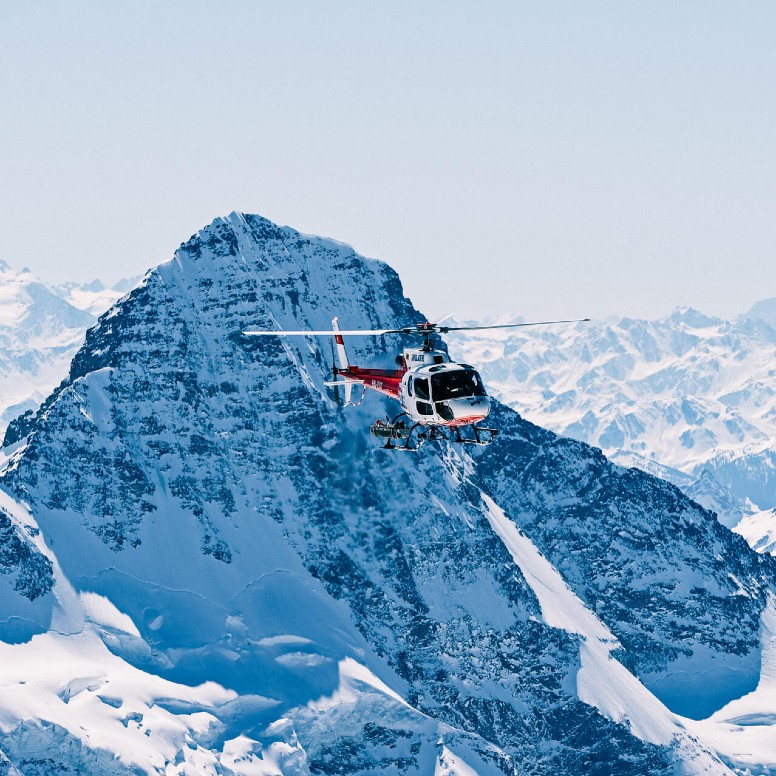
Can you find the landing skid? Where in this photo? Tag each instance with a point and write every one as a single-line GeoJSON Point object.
{"type": "Point", "coordinates": [396, 430]}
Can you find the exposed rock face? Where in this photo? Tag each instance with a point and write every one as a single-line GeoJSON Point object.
{"type": "Point", "coordinates": [209, 515]}
{"type": "Point", "coordinates": [28, 569]}
{"type": "Point", "coordinates": [679, 590]}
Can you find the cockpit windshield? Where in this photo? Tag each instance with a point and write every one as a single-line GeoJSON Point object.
{"type": "Point", "coordinates": [456, 384]}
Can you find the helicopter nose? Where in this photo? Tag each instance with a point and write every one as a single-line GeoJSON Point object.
{"type": "Point", "coordinates": [471, 409]}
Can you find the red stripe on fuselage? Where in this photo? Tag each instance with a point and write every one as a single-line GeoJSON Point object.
{"type": "Point", "coordinates": [381, 380]}
{"type": "Point", "coordinates": [471, 420]}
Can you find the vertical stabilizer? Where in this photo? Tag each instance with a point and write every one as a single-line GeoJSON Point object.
{"type": "Point", "coordinates": [342, 357]}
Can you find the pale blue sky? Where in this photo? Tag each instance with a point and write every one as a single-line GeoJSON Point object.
{"type": "Point", "coordinates": [545, 158]}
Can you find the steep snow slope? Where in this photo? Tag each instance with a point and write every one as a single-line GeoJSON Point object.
{"type": "Point", "coordinates": [41, 328]}
{"type": "Point", "coordinates": [744, 728]}
{"type": "Point", "coordinates": [759, 530]}
{"type": "Point", "coordinates": [689, 398]}
{"type": "Point", "coordinates": [205, 524]}
{"type": "Point", "coordinates": [666, 577]}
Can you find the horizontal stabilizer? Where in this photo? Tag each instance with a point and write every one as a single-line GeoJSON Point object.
{"type": "Point", "coordinates": [327, 333]}
{"type": "Point", "coordinates": [335, 383]}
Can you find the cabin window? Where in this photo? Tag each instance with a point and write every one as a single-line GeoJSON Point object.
{"type": "Point", "coordinates": [421, 388]}
{"type": "Point", "coordinates": [409, 387]}
{"type": "Point", "coordinates": [456, 384]}
{"type": "Point", "coordinates": [444, 411]}
{"type": "Point", "coordinates": [424, 408]}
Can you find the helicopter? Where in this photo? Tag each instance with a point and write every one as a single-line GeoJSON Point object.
{"type": "Point", "coordinates": [439, 397]}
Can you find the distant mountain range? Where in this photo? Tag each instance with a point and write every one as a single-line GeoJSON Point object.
{"type": "Point", "coordinates": [689, 398]}
{"type": "Point", "coordinates": [41, 328]}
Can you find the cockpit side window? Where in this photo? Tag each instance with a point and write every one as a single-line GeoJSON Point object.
{"type": "Point", "coordinates": [421, 388]}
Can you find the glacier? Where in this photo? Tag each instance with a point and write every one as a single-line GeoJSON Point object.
{"type": "Point", "coordinates": [208, 567]}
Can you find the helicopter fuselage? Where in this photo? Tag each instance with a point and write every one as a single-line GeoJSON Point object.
{"type": "Point", "coordinates": [432, 390]}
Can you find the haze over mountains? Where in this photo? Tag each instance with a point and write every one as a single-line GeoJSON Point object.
{"type": "Point", "coordinates": [209, 567]}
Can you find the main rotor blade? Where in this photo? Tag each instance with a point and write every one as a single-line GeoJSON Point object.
{"type": "Point", "coordinates": [423, 330]}
{"type": "Point", "coordinates": [324, 333]}
{"type": "Point", "coordinates": [445, 329]}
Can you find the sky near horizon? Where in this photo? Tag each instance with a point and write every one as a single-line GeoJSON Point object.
{"type": "Point", "coordinates": [548, 159]}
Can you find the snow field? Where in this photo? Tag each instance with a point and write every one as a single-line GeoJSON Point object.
{"type": "Point", "coordinates": [602, 681]}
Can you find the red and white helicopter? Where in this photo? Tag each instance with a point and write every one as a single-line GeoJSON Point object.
{"type": "Point", "coordinates": [438, 396]}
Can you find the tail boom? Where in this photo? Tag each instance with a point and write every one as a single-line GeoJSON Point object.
{"type": "Point", "coordinates": [381, 380]}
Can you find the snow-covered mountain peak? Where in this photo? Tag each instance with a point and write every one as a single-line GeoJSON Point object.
{"type": "Point", "coordinates": [30, 309]}
{"type": "Point", "coordinates": [693, 319]}
{"type": "Point", "coordinates": [95, 297]}
{"type": "Point", "coordinates": [95, 286]}
{"type": "Point", "coordinates": [764, 310]}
